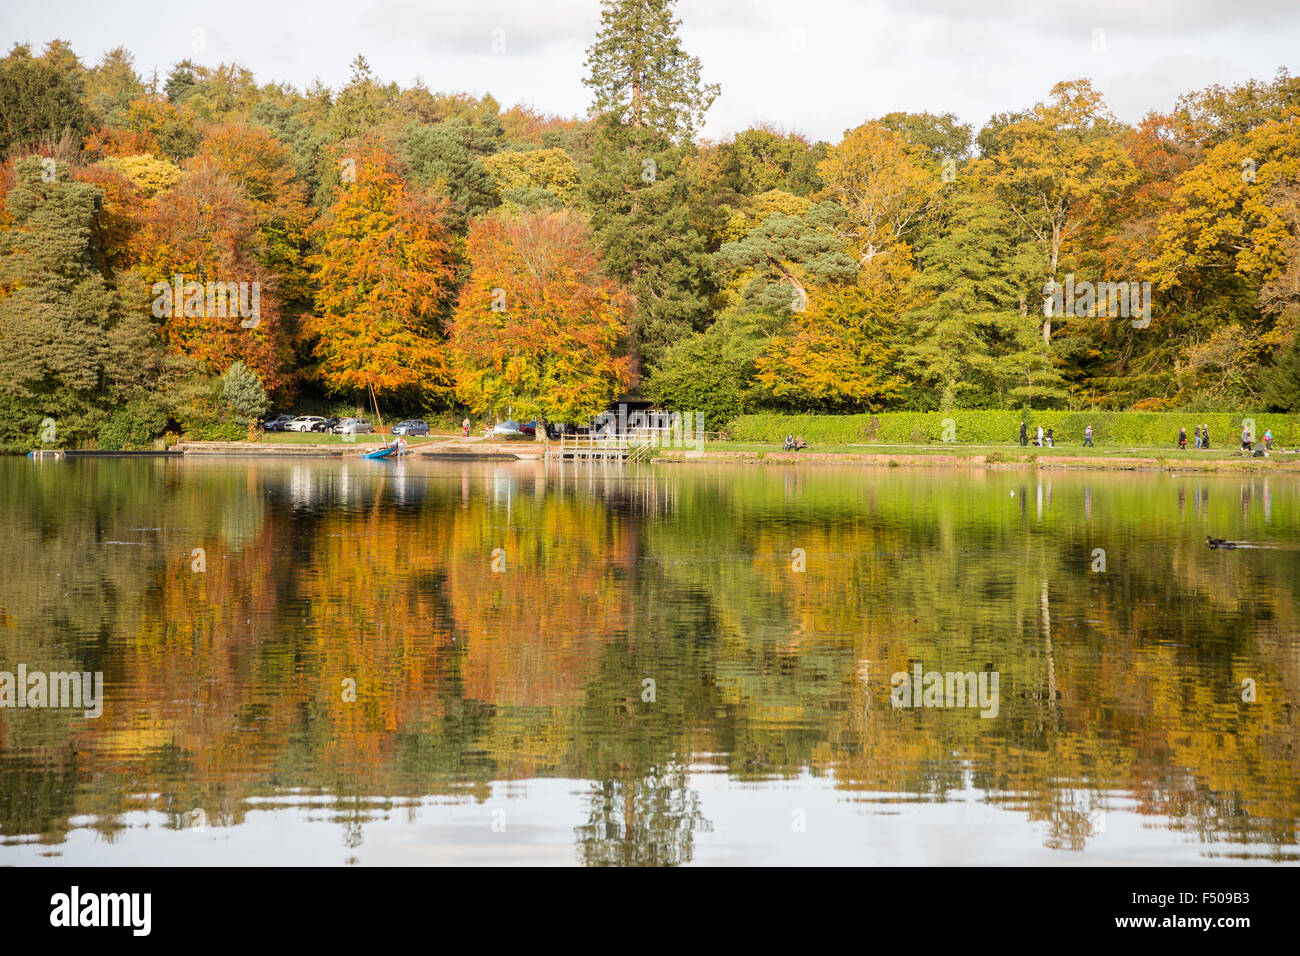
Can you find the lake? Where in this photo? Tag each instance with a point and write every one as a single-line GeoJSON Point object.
{"type": "Point", "coordinates": [346, 662]}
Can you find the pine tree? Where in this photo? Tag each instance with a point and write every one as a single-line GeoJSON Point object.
{"type": "Point", "coordinates": [640, 75]}
{"type": "Point", "coordinates": [649, 224]}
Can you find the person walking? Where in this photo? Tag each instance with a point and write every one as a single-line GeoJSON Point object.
{"type": "Point", "coordinates": [1182, 437]}
{"type": "Point", "coordinates": [1205, 436]}
{"type": "Point", "coordinates": [1024, 436]}
{"type": "Point", "coordinates": [1050, 439]}
{"type": "Point", "coordinates": [1268, 439]}
{"type": "Point", "coordinates": [1196, 435]}
{"type": "Point", "coordinates": [464, 428]}
{"type": "Point", "coordinates": [1039, 440]}
{"type": "Point", "coordinates": [1087, 437]}
{"type": "Point", "coordinates": [1246, 441]}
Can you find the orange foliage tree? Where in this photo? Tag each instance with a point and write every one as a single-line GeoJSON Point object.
{"type": "Point", "coordinates": [263, 167]}
{"type": "Point", "coordinates": [538, 327]}
{"type": "Point", "coordinates": [205, 230]}
{"type": "Point", "coordinates": [383, 275]}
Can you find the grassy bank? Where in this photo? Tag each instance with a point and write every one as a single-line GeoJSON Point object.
{"type": "Point", "coordinates": [1111, 430]}
{"type": "Point", "coordinates": [1005, 452]}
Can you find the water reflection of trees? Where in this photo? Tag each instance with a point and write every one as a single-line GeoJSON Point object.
{"type": "Point", "coordinates": [318, 574]}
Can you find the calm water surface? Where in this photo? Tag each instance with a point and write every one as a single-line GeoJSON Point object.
{"type": "Point", "coordinates": [332, 662]}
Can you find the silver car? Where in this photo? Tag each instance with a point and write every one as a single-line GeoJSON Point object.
{"type": "Point", "coordinates": [353, 426]}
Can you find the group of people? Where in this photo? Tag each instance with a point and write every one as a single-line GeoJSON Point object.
{"type": "Point", "coordinates": [1248, 439]}
{"type": "Point", "coordinates": [1201, 435]}
{"type": "Point", "coordinates": [1046, 437]}
{"type": "Point", "coordinates": [794, 442]}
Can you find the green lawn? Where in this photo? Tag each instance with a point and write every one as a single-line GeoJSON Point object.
{"type": "Point", "coordinates": [1010, 451]}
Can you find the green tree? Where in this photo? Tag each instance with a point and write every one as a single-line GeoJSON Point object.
{"type": "Point", "coordinates": [970, 341]}
{"type": "Point", "coordinates": [760, 160]}
{"type": "Point", "coordinates": [37, 100]}
{"type": "Point", "coordinates": [783, 258]}
{"type": "Point", "coordinates": [441, 157]}
{"type": "Point", "coordinates": [712, 372]}
{"type": "Point", "coordinates": [68, 346]}
{"type": "Point", "coordinates": [242, 391]}
{"type": "Point", "coordinates": [651, 233]}
{"type": "Point", "coordinates": [1280, 382]}
{"type": "Point", "coordinates": [639, 74]}
{"type": "Point", "coordinates": [942, 136]}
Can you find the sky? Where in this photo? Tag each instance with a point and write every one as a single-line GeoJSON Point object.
{"type": "Point", "coordinates": [817, 67]}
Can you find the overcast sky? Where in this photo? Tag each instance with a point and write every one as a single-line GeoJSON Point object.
{"type": "Point", "coordinates": [815, 66]}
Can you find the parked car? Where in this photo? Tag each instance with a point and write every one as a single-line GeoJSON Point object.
{"type": "Point", "coordinates": [276, 423]}
{"type": "Point", "coordinates": [411, 427]}
{"type": "Point", "coordinates": [353, 426]}
{"type": "Point", "coordinates": [507, 429]}
{"type": "Point", "coordinates": [303, 423]}
{"type": "Point", "coordinates": [327, 426]}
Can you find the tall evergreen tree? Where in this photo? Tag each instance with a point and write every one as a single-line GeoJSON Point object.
{"type": "Point", "coordinates": [970, 341]}
{"type": "Point", "coordinates": [640, 75]}
{"type": "Point", "coordinates": [647, 223]}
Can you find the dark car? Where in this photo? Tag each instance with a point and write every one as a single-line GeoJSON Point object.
{"type": "Point", "coordinates": [326, 426]}
{"type": "Point", "coordinates": [276, 423]}
{"type": "Point", "coordinates": [411, 427]}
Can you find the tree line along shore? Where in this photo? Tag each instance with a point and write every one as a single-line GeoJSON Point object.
{"type": "Point", "coordinates": [182, 251]}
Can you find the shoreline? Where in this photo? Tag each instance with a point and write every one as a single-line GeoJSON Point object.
{"type": "Point", "coordinates": [456, 449]}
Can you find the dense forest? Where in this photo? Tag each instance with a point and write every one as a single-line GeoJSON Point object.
{"type": "Point", "coordinates": [177, 252]}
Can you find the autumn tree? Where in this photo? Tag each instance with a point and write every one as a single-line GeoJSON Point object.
{"type": "Point", "coordinates": [264, 170]}
{"type": "Point", "coordinates": [883, 184]}
{"type": "Point", "coordinates": [1225, 247]}
{"type": "Point", "coordinates": [538, 328]}
{"type": "Point", "coordinates": [535, 177]}
{"type": "Point", "coordinates": [384, 274]}
{"type": "Point", "coordinates": [839, 353]}
{"type": "Point", "coordinates": [1056, 168]}
{"type": "Point", "coordinates": [204, 229]}
{"type": "Point", "coordinates": [111, 85]}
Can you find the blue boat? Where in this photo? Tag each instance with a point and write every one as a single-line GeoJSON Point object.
{"type": "Point", "coordinates": [388, 451]}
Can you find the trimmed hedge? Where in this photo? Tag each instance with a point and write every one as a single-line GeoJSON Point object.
{"type": "Point", "coordinates": [1156, 429]}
